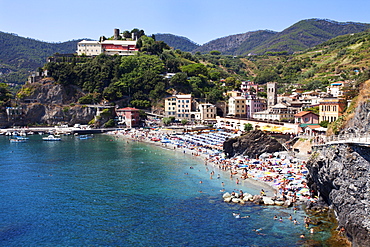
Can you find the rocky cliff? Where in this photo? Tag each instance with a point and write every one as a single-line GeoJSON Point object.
{"type": "Point", "coordinates": [252, 144]}
{"type": "Point", "coordinates": [340, 175]}
{"type": "Point", "coordinates": [48, 103]}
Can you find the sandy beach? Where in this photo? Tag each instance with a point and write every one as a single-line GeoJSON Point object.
{"type": "Point", "coordinates": [277, 176]}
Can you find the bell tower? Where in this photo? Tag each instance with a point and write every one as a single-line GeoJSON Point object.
{"type": "Point", "coordinates": [271, 94]}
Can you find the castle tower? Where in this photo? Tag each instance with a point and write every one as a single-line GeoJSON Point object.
{"type": "Point", "coordinates": [116, 34]}
{"type": "Point", "coordinates": [271, 94]}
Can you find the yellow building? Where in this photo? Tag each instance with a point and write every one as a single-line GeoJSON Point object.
{"type": "Point", "coordinates": [331, 109]}
{"type": "Point", "coordinates": [237, 107]}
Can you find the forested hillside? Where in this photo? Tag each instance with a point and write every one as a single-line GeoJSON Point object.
{"type": "Point", "coordinates": [177, 42]}
{"type": "Point", "coordinates": [300, 36]}
{"type": "Point", "coordinates": [19, 55]}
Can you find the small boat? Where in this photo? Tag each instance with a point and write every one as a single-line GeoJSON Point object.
{"type": "Point", "coordinates": [16, 140]}
{"type": "Point", "coordinates": [84, 137]}
{"type": "Point", "coordinates": [51, 138]}
{"type": "Point", "coordinates": [21, 138]}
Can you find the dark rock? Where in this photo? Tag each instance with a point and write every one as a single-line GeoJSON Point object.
{"type": "Point", "coordinates": [340, 176]}
{"type": "Point", "coordinates": [252, 144]}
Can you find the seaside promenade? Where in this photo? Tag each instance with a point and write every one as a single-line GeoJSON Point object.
{"type": "Point", "coordinates": [283, 174]}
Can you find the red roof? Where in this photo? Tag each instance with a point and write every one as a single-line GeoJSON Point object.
{"type": "Point", "coordinates": [303, 113]}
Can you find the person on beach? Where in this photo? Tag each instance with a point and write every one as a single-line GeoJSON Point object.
{"type": "Point", "coordinates": [262, 192]}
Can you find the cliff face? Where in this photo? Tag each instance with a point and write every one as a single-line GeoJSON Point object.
{"type": "Point", "coordinates": [341, 176]}
{"type": "Point", "coordinates": [50, 103]}
{"type": "Point", "coordinates": [252, 144]}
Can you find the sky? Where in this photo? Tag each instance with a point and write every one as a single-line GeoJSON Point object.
{"type": "Point", "coordinates": [199, 20]}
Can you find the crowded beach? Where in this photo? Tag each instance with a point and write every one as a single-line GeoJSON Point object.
{"type": "Point", "coordinates": [284, 174]}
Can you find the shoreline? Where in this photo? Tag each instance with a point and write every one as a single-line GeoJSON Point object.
{"type": "Point", "coordinates": [254, 178]}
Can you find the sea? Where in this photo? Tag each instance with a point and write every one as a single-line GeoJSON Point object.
{"type": "Point", "coordinates": [106, 191]}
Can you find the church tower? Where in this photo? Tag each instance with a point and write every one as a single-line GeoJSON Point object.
{"type": "Point", "coordinates": [271, 94]}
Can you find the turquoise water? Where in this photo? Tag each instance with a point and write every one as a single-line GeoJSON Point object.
{"type": "Point", "coordinates": [108, 192]}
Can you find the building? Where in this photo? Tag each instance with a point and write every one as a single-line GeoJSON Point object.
{"type": "Point", "coordinates": [278, 112]}
{"type": "Point", "coordinates": [306, 117]}
{"type": "Point", "coordinates": [109, 47]}
{"type": "Point", "coordinates": [271, 94]}
{"type": "Point", "coordinates": [128, 116]}
{"type": "Point", "coordinates": [237, 106]}
{"type": "Point", "coordinates": [206, 113]}
{"type": "Point", "coordinates": [170, 106]}
{"type": "Point", "coordinates": [178, 106]}
{"type": "Point", "coordinates": [331, 109]}
{"type": "Point", "coordinates": [254, 104]}
{"type": "Point", "coordinates": [335, 89]}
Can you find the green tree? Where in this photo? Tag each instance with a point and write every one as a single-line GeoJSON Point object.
{"type": "Point", "coordinates": [324, 124]}
{"type": "Point", "coordinates": [166, 121]}
{"type": "Point", "coordinates": [184, 121]}
{"type": "Point", "coordinates": [215, 52]}
{"type": "Point", "coordinates": [248, 127]}
{"type": "Point", "coordinates": [194, 69]}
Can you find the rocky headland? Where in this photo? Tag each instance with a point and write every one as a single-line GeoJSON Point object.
{"type": "Point", "coordinates": [339, 175]}
{"type": "Point", "coordinates": [49, 103]}
{"type": "Point", "coordinates": [253, 144]}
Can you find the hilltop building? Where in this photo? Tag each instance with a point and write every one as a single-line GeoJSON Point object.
{"type": "Point", "coordinates": [117, 46]}
{"type": "Point", "coordinates": [109, 47]}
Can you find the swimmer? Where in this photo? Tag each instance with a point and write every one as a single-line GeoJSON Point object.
{"type": "Point", "coordinates": [275, 217]}
{"type": "Point", "coordinates": [281, 219]}
{"type": "Point", "coordinates": [312, 231]}
{"type": "Point", "coordinates": [290, 217]}
{"type": "Point", "coordinates": [223, 184]}
{"type": "Point", "coordinates": [295, 222]}
{"type": "Point", "coordinates": [200, 182]}
{"type": "Point", "coordinates": [302, 236]}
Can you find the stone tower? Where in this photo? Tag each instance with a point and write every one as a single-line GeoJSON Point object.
{"type": "Point", "coordinates": [271, 94]}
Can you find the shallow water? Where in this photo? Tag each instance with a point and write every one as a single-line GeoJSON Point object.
{"type": "Point", "coordinates": [108, 192]}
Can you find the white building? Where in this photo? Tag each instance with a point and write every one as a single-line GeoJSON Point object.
{"type": "Point", "coordinates": [109, 47]}
{"type": "Point", "coordinates": [205, 113]}
{"type": "Point", "coordinates": [178, 106]}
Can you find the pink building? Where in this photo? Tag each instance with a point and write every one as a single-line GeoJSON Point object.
{"type": "Point", "coordinates": [306, 117]}
{"type": "Point", "coordinates": [129, 116]}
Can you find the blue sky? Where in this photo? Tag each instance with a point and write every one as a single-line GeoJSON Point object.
{"type": "Point", "coordinates": [199, 20]}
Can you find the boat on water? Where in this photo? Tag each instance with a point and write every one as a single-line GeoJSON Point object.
{"type": "Point", "coordinates": [84, 137]}
{"type": "Point", "coordinates": [21, 138]}
{"type": "Point", "coordinates": [16, 140]}
{"type": "Point", "coordinates": [51, 138]}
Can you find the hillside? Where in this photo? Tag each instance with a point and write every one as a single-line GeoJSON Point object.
{"type": "Point", "coordinates": [233, 43]}
{"type": "Point", "coordinates": [298, 37]}
{"type": "Point", "coordinates": [18, 55]}
{"type": "Point", "coordinates": [177, 42]}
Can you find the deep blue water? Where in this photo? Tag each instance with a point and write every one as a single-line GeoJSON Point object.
{"type": "Point", "coordinates": [108, 192]}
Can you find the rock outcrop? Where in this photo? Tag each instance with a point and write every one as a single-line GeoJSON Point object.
{"type": "Point", "coordinates": [252, 144]}
{"type": "Point", "coordinates": [48, 103]}
{"type": "Point", "coordinates": [340, 175]}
